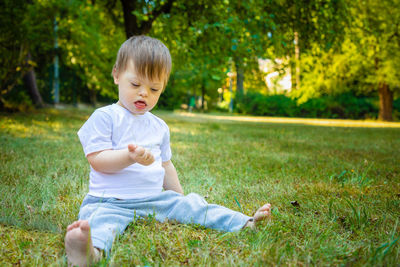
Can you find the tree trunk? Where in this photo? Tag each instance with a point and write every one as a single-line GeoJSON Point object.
{"type": "Point", "coordinates": [93, 97]}
{"type": "Point", "coordinates": [230, 91]}
{"type": "Point", "coordinates": [203, 94]}
{"type": "Point", "coordinates": [385, 102]}
{"type": "Point", "coordinates": [297, 59]}
{"type": "Point", "coordinates": [130, 22]}
{"type": "Point", "coordinates": [239, 75]}
{"type": "Point", "coordinates": [132, 26]}
{"type": "Point", "coordinates": [30, 84]}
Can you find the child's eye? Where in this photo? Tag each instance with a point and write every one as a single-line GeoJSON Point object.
{"type": "Point", "coordinates": [136, 85]}
{"type": "Point", "coordinates": [154, 89]}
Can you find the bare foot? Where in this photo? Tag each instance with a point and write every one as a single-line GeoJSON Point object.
{"type": "Point", "coordinates": [261, 214]}
{"type": "Point", "coordinates": [78, 245]}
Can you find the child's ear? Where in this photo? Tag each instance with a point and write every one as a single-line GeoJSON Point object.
{"type": "Point", "coordinates": [115, 76]}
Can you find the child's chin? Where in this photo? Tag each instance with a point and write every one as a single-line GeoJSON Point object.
{"type": "Point", "coordinates": [139, 111]}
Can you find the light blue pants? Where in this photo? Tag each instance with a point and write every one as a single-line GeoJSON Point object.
{"type": "Point", "coordinates": [110, 216]}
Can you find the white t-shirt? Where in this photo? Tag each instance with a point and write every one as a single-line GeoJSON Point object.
{"type": "Point", "coordinates": [114, 127]}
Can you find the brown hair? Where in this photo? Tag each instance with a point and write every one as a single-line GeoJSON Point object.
{"type": "Point", "coordinates": [150, 57]}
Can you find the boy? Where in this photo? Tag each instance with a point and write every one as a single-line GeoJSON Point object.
{"type": "Point", "coordinates": [130, 158]}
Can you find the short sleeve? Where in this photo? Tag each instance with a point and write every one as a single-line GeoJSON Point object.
{"type": "Point", "coordinates": [165, 147]}
{"type": "Point", "coordinates": [95, 134]}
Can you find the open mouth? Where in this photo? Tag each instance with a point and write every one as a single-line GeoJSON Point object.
{"type": "Point", "coordinates": [140, 104]}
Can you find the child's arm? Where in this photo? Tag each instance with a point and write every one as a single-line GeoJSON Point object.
{"type": "Point", "coordinates": [171, 180]}
{"type": "Point", "coordinates": [110, 161]}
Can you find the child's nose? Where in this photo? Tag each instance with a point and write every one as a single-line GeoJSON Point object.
{"type": "Point", "coordinates": [143, 91]}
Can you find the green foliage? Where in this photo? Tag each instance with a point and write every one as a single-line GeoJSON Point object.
{"type": "Point", "coordinates": [315, 21]}
{"type": "Point", "coordinates": [258, 104]}
{"type": "Point", "coordinates": [13, 47]}
{"type": "Point", "coordinates": [359, 177]}
{"type": "Point", "coordinates": [344, 46]}
{"type": "Point", "coordinates": [170, 98]}
{"type": "Point", "coordinates": [396, 108]}
{"type": "Point", "coordinates": [198, 52]}
{"type": "Point", "coordinates": [367, 57]}
{"type": "Point", "coordinates": [359, 217]}
{"type": "Point", "coordinates": [383, 250]}
{"type": "Point", "coordinates": [87, 41]}
{"type": "Point", "coordinates": [345, 105]}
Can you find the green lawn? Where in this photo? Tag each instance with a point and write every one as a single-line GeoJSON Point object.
{"type": "Point", "coordinates": [346, 181]}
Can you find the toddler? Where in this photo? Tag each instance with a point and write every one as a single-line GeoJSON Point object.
{"type": "Point", "coordinates": [129, 152]}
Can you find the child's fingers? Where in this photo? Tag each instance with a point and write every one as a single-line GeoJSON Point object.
{"type": "Point", "coordinates": [150, 159]}
{"type": "Point", "coordinates": [149, 153]}
{"type": "Point", "coordinates": [132, 148]}
{"type": "Point", "coordinates": [140, 151]}
{"type": "Point", "coordinates": [148, 156]}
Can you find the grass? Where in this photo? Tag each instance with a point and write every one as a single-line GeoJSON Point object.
{"type": "Point", "coordinates": [335, 191]}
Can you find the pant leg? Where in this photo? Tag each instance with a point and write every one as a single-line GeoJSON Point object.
{"type": "Point", "coordinates": [191, 208]}
{"type": "Point", "coordinates": [106, 220]}
{"type": "Point", "coordinates": [109, 216]}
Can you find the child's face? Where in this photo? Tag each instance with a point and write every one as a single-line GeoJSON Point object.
{"type": "Point", "coordinates": [137, 94]}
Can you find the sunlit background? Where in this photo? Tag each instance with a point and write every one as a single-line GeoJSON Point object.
{"type": "Point", "coordinates": [326, 59]}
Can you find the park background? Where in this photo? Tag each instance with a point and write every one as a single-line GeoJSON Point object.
{"type": "Point", "coordinates": [331, 171]}
{"type": "Point", "coordinates": [330, 59]}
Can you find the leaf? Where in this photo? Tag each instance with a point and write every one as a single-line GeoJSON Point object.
{"type": "Point", "coordinates": [295, 203]}
{"type": "Point", "coordinates": [215, 77]}
{"type": "Point", "coordinates": [390, 246]}
{"type": "Point", "coordinates": [237, 202]}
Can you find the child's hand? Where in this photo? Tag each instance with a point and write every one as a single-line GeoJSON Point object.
{"type": "Point", "coordinates": [140, 155]}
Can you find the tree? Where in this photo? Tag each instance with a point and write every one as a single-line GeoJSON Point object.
{"type": "Point", "coordinates": [298, 25]}
{"type": "Point", "coordinates": [245, 26]}
{"type": "Point", "coordinates": [192, 32]}
{"type": "Point", "coordinates": [367, 60]}
{"type": "Point", "coordinates": [16, 61]}
{"type": "Point", "coordinates": [89, 37]}
{"type": "Point", "coordinates": [174, 22]}
{"type": "Point", "coordinates": [140, 15]}
{"type": "Point", "coordinates": [376, 31]}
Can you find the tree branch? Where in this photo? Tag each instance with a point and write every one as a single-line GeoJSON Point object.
{"type": "Point", "coordinates": [145, 27]}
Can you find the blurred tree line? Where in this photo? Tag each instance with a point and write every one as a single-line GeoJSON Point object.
{"type": "Point", "coordinates": [332, 47]}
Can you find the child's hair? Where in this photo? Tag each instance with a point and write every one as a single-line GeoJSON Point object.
{"type": "Point", "coordinates": [150, 57]}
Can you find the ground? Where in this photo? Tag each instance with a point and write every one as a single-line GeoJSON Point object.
{"type": "Point", "coordinates": [334, 185]}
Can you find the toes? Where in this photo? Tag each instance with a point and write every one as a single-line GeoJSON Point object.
{"type": "Point", "coordinates": [263, 212]}
{"type": "Point", "coordinates": [266, 207]}
{"type": "Point", "coordinates": [261, 216]}
{"type": "Point", "coordinates": [84, 225]}
{"type": "Point", "coordinates": [72, 226]}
